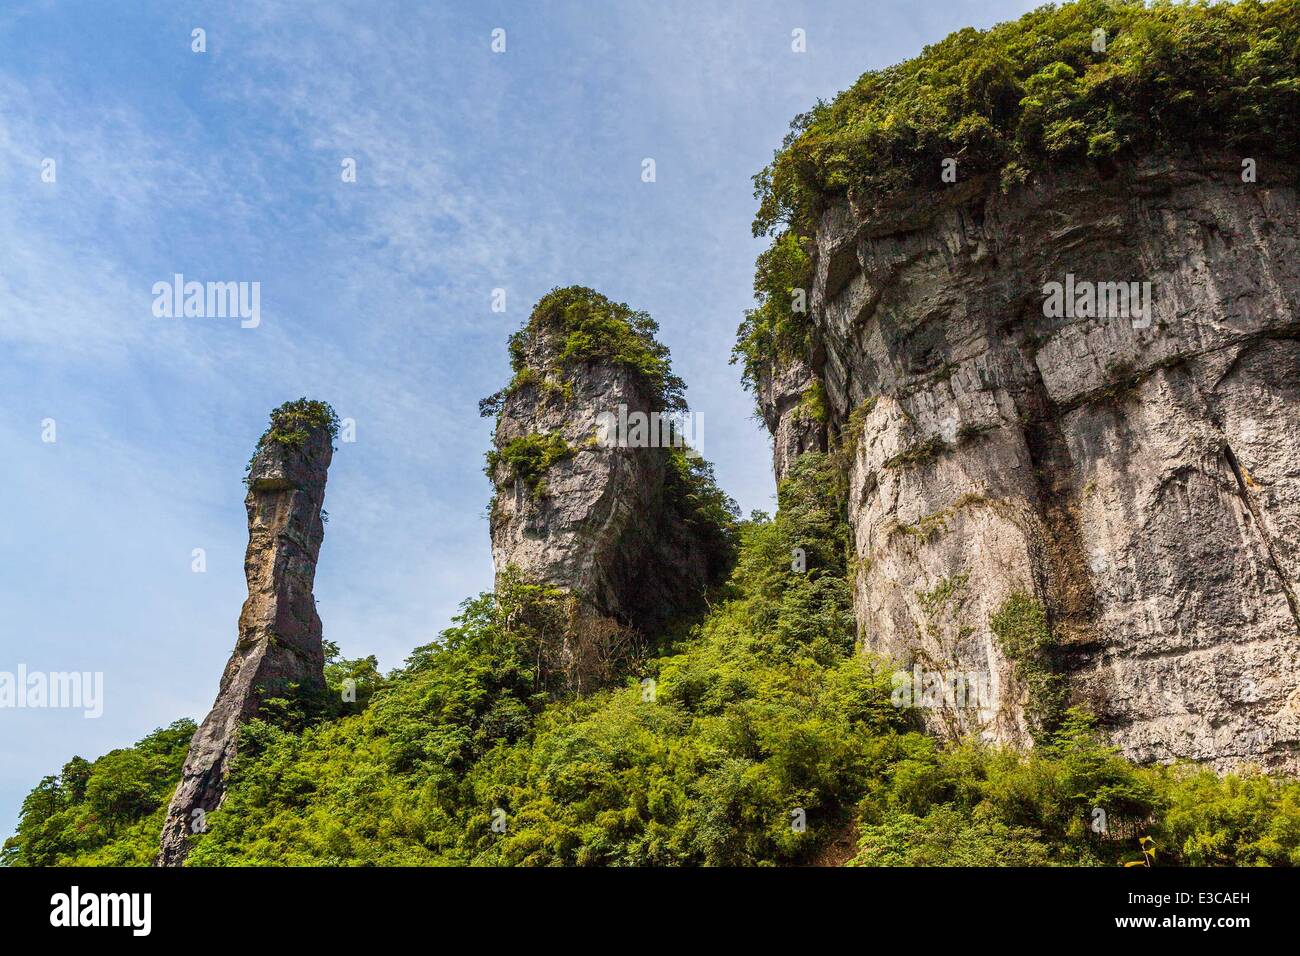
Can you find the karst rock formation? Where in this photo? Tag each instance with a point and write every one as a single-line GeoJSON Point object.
{"type": "Point", "coordinates": [1074, 507]}
{"type": "Point", "coordinates": [1137, 478]}
{"type": "Point", "coordinates": [279, 651]}
{"type": "Point", "coordinates": [604, 520]}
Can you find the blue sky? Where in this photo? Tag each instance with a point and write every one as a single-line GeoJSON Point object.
{"type": "Point", "coordinates": [475, 171]}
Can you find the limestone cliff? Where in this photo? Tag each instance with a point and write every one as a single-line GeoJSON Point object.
{"type": "Point", "coordinates": [591, 497]}
{"type": "Point", "coordinates": [278, 652]}
{"type": "Point", "coordinates": [797, 425]}
{"type": "Point", "coordinates": [1135, 477]}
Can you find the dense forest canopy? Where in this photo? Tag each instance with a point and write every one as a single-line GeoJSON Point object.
{"type": "Point", "coordinates": [760, 717]}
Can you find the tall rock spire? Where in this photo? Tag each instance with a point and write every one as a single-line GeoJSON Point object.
{"type": "Point", "coordinates": [279, 651]}
{"type": "Point", "coordinates": [625, 518]}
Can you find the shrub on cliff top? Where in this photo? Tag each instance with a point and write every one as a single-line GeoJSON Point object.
{"type": "Point", "coordinates": [592, 328]}
{"type": "Point", "coordinates": [1045, 87]}
{"type": "Point", "coordinates": [1095, 80]}
{"type": "Point", "coordinates": [292, 422]}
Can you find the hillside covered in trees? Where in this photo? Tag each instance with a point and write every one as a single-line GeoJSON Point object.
{"type": "Point", "coordinates": [760, 711]}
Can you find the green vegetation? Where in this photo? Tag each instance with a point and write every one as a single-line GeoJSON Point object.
{"type": "Point", "coordinates": [589, 328]}
{"type": "Point", "coordinates": [844, 446]}
{"type": "Point", "coordinates": [969, 805]}
{"type": "Point", "coordinates": [1021, 628]}
{"type": "Point", "coordinates": [812, 404]}
{"type": "Point", "coordinates": [106, 813]}
{"type": "Point", "coordinates": [773, 328]}
{"type": "Point", "coordinates": [292, 422]}
{"type": "Point", "coordinates": [696, 500]}
{"type": "Point", "coordinates": [1221, 75]}
{"type": "Point", "coordinates": [763, 713]}
{"type": "Point", "coordinates": [582, 326]}
{"type": "Point", "coordinates": [529, 458]}
{"type": "Point", "coordinates": [930, 526]}
{"type": "Point", "coordinates": [919, 454]}
{"type": "Point", "coordinates": [1009, 100]}
{"type": "Point", "coordinates": [704, 756]}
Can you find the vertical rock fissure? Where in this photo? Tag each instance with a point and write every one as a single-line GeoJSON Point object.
{"type": "Point", "coordinates": [1069, 598]}
{"type": "Point", "coordinates": [1266, 540]}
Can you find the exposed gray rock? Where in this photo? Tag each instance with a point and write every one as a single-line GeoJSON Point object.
{"type": "Point", "coordinates": [782, 387]}
{"type": "Point", "coordinates": [279, 646]}
{"type": "Point", "coordinates": [1141, 481]}
{"type": "Point", "coordinates": [608, 523]}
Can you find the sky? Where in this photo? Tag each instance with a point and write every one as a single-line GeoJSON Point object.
{"type": "Point", "coordinates": [124, 435]}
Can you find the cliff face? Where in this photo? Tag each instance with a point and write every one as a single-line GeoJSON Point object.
{"type": "Point", "coordinates": [796, 429]}
{"type": "Point", "coordinates": [278, 653]}
{"type": "Point", "coordinates": [583, 503]}
{"type": "Point", "coordinates": [1136, 480]}
{"type": "Point", "coordinates": [587, 523]}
